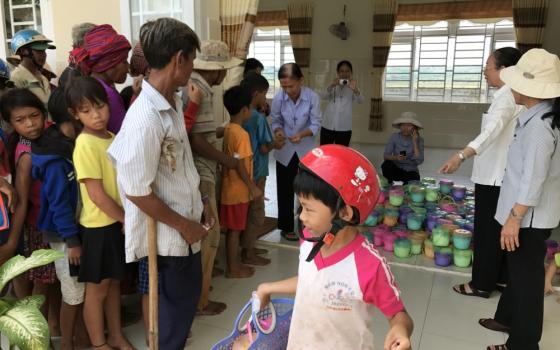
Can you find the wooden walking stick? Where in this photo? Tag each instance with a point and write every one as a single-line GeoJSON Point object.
{"type": "Point", "coordinates": [153, 283]}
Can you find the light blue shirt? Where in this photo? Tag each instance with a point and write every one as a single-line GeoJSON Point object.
{"type": "Point", "coordinates": [398, 143]}
{"type": "Point", "coordinates": [532, 176]}
{"type": "Point", "coordinates": [293, 118]}
{"type": "Point", "coordinates": [260, 134]}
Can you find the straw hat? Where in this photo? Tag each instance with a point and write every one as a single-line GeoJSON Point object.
{"type": "Point", "coordinates": [407, 117]}
{"type": "Point", "coordinates": [537, 75]}
{"type": "Point", "coordinates": [214, 55]}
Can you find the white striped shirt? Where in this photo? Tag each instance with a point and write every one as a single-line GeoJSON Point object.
{"type": "Point", "coordinates": [152, 152]}
{"type": "Point", "coordinates": [532, 176]}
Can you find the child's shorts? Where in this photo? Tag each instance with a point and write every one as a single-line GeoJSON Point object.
{"type": "Point", "coordinates": [143, 277]}
{"type": "Point", "coordinates": [72, 290]}
{"type": "Point", "coordinates": [102, 253]}
{"type": "Point", "coordinates": [234, 217]}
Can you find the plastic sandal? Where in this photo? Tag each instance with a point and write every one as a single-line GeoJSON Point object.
{"type": "Point", "coordinates": [493, 325]}
{"type": "Point", "coordinates": [462, 289]}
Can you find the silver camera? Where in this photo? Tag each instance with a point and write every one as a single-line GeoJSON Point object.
{"type": "Point", "coordinates": [343, 81]}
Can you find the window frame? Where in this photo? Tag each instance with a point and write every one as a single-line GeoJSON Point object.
{"type": "Point", "coordinates": [282, 44]}
{"type": "Point", "coordinates": [453, 80]}
{"type": "Point", "coordinates": [38, 22]}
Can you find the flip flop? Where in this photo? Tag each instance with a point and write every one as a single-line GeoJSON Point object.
{"type": "Point", "coordinates": [468, 290]}
{"type": "Point", "coordinates": [493, 325]}
{"type": "Point", "coordinates": [216, 309]}
{"type": "Point", "coordinates": [289, 236]}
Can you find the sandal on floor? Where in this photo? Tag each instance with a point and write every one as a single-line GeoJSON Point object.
{"type": "Point", "coordinates": [497, 347]}
{"type": "Point", "coordinates": [289, 236]}
{"type": "Point", "coordinates": [493, 325]}
{"type": "Point", "coordinates": [468, 290]}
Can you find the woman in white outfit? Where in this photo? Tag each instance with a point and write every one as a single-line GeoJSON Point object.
{"type": "Point", "coordinates": [489, 150]}
{"type": "Point", "coordinates": [337, 118]}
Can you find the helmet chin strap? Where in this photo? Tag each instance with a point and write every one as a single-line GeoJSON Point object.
{"type": "Point", "coordinates": [327, 237]}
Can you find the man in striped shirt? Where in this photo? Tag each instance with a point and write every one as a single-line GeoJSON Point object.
{"type": "Point", "coordinates": [157, 177]}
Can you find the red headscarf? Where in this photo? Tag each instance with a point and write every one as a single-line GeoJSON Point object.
{"type": "Point", "coordinates": [102, 50]}
{"type": "Point", "coordinates": [138, 63]}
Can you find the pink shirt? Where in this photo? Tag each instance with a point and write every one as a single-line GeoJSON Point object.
{"type": "Point", "coordinates": [24, 146]}
{"type": "Point", "coordinates": [336, 297]}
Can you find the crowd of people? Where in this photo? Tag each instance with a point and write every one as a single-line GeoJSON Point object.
{"type": "Point", "coordinates": [84, 166]}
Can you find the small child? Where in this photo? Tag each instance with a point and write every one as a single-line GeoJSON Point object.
{"type": "Point", "coordinates": [549, 277]}
{"type": "Point", "coordinates": [341, 275]}
{"type": "Point", "coordinates": [103, 262]}
{"type": "Point", "coordinates": [254, 66]}
{"type": "Point", "coordinates": [26, 114]}
{"type": "Point", "coordinates": [262, 144]}
{"type": "Point", "coordinates": [237, 188]}
{"type": "Point", "coordinates": [52, 165]}
{"type": "Point", "coordinates": [551, 271]}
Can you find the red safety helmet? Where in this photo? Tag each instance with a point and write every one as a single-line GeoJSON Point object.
{"type": "Point", "coordinates": [350, 173]}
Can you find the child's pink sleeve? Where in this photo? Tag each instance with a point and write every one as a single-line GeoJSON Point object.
{"type": "Point", "coordinates": [189, 115]}
{"type": "Point", "coordinates": [377, 282]}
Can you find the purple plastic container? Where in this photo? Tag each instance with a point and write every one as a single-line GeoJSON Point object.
{"type": "Point", "coordinates": [443, 257]}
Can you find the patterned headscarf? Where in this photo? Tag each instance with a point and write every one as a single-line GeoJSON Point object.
{"type": "Point", "coordinates": [102, 50]}
{"type": "Point", "coordinates": [138, 63]}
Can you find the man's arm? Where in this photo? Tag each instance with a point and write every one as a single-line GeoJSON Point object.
{"type": "Point", "coordinates": [204, 149]}
{"type": "Point", "coordinates": [153, 206]}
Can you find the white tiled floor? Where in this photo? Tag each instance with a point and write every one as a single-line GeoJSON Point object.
{"type": "Point", "coordinates": [443, 319]}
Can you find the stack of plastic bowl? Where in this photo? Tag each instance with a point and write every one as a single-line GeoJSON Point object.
{"type": "Point", "coordinates": [402, 247]}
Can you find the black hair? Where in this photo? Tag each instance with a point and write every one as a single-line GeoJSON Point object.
{"type": "Point", "coordinates": [12, 99]}
{"type": "Point", "coordinates": [307, 184]}
{"type": "Point", "coordinates": [554, 114]}
{"type": "Point", "coordinates": [18, 98]}
{"type": "Point", "coordinates": [126, 95]}
{"type": "Point", "coordinates": [252, 64]}
{"type": "Point", "coordinates": [290, 70]}
{"type": "Point", "coordinates": [506, 57]}
{"type": "Point", "coordinates": [67, 75]}
{"type": "Point", "coordinates": [236, 98]}
{"type": "Point", "coordinates": [163, 38]}
{"type": "Point", "coordinates": [85, 88]}
{"type": "Point", "coordinates": [58, 109]}
{"type": "Point", "coordinates": [344, 63]}
{"type": "Point", "coordinates": [255, 83]}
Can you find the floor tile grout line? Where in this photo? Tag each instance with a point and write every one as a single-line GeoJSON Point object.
{"type": "Point", "coordinates": [427, 309]}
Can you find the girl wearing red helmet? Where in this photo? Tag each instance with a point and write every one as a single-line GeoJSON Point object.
{"type": "Point", "coordinates": [341, 277]}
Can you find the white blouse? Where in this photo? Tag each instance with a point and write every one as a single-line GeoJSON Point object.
{"type": "Point", "coordinates": [496, 132]}
{"type": "Point", "coordinates": [338, 114]}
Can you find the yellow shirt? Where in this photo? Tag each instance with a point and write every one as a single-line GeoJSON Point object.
{"type": "Point", "coordinates": [91, 162]}
{"type": "Point", "coordinates": [24, 79]}
{"type": "Point", "coordinates": [237, 144]}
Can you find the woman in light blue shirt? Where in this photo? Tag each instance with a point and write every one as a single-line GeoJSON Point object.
{"type": "Point", "coordinates": [529, 202]}
{"type": "Point", "coordinates": [296, 120]}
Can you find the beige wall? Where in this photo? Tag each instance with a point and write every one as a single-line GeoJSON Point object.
{"type": "Point", "coordinates": [446, 125]}
{"type": "Point", "coordinates": [66, 13]}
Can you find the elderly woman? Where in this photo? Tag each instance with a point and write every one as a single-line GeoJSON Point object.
{"type": "Point", "coordinates": [103, 55]}
{"type": "Point", "coordinates": [529, 203]}
{"type": "Point", "coordinates": [404, 151]}
{"type": "Point", "coordinates": [296, 119]}
{"type": "Point", "coordinates": [489, 150]}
